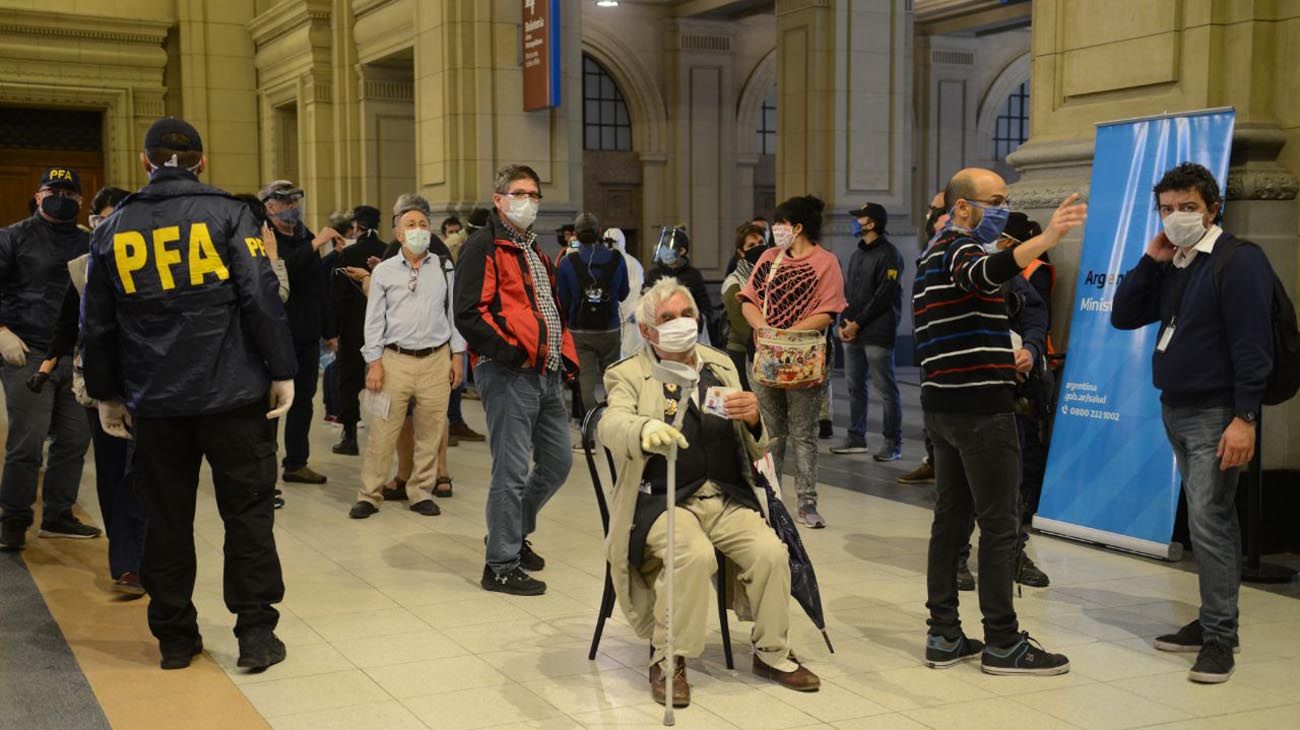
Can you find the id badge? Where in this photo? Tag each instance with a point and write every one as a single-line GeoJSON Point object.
{"type": "Point", "coordinates": [1165, 337]}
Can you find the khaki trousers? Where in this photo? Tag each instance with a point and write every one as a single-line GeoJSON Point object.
{"type": "Point", "coordinates": [705, 521]}
{"type": "Point", "coordinates": [427, 381]}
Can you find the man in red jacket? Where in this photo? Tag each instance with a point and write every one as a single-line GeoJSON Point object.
{"type": "Point", "coordinates": [509, 315]}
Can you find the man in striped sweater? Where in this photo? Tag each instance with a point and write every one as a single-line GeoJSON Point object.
{"type": "Point", "coordinates": [969, 371]}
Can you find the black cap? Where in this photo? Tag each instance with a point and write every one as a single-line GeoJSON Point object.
{"type": "Point", "coordinates": [477, 218]}
{"type": "Point", "coordinates": [874, 211]}
{"type": "Point", "coordinates": [173, 134]}
{"type": "Point", "coordinates": [366, 216]}
{"type": "Point", "coordinates": [61, 177]}
{"type": "Point", "coordinates": [1020, 228]}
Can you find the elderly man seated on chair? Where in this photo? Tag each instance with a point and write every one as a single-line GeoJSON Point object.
{"type": "Point", "coordinates": [716, 502]}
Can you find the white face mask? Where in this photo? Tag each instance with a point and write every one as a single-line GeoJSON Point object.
{"type": "Point", "coordinates": [678, 335]}
{"type": "Point", "coordinates": [782, 235]}
{"type": "Point", "coordinates": [1184, 228]}
{"type": "Point", "coordinates": [417, 240]}
{"type": "Point", "coordinates": [522, 213]}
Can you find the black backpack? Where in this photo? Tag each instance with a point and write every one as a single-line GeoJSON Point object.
{"type": "Point", "coordinates": [1284, 380]}
{"type": "Point", "coordinates": [597, 308]}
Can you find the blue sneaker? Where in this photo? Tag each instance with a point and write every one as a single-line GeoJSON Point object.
{"type": "Point", "coordinates": [1026, 656]}
{"type": "Point", "coordinates": [941, 652]}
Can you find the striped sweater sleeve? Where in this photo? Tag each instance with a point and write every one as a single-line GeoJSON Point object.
{"type": "Point", "coordinates": [975, 271]}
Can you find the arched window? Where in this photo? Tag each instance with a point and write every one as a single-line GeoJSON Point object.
{"type": "Point", "coordinates": [605, 122]}
{"type": "Point", "coordinates": [765, 141]}
{"type": "Point", "coordinates": [1013, 123]}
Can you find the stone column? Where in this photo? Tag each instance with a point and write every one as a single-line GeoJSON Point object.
{"type": "Point", "coordinates": [469, 116]}
{"type": "Point", "coordinates": [844, 94]}
{"type": "Point", "coordinates": [1154, 57]}
{"type": "Point", "coordinates": [699, 84]}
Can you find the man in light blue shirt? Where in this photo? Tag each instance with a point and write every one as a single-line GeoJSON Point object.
{"type": "Point", "coordinates": [413, 353]}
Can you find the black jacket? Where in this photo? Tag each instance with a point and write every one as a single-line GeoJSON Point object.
{"type": "Point", "coordinates": [349, 301]}
{"type": "Point", "coordinates": [308, 305]}
{"type": "Point", "coordinates": [875, 295]}
{"type": "Point", "coordinates": [689, 277]}
{"type": "Point", "coordinates": [202, 333]}
{"type": "Point", "coordinates": [34, 255]}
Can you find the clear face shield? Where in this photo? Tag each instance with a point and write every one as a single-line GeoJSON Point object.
{"type": "Point", "coordinates": [666, 249]}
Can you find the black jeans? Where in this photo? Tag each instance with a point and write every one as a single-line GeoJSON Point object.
{"type": "Point", "coordinates": [240, 448]}
{"type": "Point", "coordinates": [977, 471]}
{"type": "Point", "coordinates": [352, 380]}
{"type": "Point", "coordinates": [118, 505]}
{"type": "Point", "coordinates": [740, 360]}
{"type": "Point", "coordinates": [297, 423]}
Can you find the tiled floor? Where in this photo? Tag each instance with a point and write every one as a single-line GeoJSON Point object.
{"type": "Point", "coordinates": [387, 628]}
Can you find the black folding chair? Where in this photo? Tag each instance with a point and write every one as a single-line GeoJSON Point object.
{"type": "Point", "coordinates": [589, 423]}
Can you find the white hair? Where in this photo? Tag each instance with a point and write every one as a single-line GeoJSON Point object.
{"type": "Point", "coordinates": [663, 290]}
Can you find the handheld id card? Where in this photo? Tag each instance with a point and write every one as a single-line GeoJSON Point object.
{"type": "Point", "coordinates": [715, 400]}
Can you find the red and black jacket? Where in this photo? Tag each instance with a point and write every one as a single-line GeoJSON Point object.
{"type": "Point", "coordinates": [495, 299]}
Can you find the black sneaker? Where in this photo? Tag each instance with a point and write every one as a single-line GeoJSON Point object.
{"type": "Point", "coordinates": [850, 446]}
{"type": "Point", "coordinates": [426, 507]}
{"type": "Point", "coordinates": [259, 648]}
{"type": "Point", "coordinates": [1030, 574]}
{"type": "Point", "coordinates": [941, 653]}
{"type": "Point", "coordinates": [347, 446]}
{"type": "Point", "coordinates": [529, 560]}
{"type": "Point", "coordinates": [1187, 639]}
{"type": "Point", "coordinates": [825, 430]}
{"type": "Point", "coordinates": [362, 510]}
{"type": "Point", "coordinates": [965, 579]}
{"type": "Point", "coordinates": [13, 536]}
{"type": "Point", "coordinates": [1214, 663]}
{"type": "Point", "coordinates": [178, 655]}
{"type": "Point", "coordinates": [397, 492]}
{"type": "Point", "coordinates": [516, 583]}
{"type": "Point", "coordinates": [67, 525]}
{"type": "Point", "coordinates": [1026, 656]}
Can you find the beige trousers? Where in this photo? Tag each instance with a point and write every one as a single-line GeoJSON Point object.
{"type": "Point", "coordinates": [706, 521]}
{"type": "Point", "coordinates": [427, 381]}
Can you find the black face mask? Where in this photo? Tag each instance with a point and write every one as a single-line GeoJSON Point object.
{"type": "Point", "coordinates": [754, 254]}
{"type": "Point", "coordinates": [60, 208]}
{"type": "Point", "coordinates": [930, 221]}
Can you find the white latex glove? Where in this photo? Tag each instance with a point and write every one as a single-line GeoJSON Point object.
{"type": "Point", "coordinates": [12, 348]}
{"type": "Point", "coordinates": [281, 398]}
{"type": "Point", "coordinates": [114, 419]}
{"type": "Point", "coordinates": [658, 437]}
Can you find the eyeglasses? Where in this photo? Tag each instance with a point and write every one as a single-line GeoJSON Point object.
{"type": "Point", "coordinates": [522, 195]}
{"type": "Point", "coordinates": [414, 280]}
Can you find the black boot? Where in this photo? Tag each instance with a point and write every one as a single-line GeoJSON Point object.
{"type": "Point", "coordinates": [347, 446]}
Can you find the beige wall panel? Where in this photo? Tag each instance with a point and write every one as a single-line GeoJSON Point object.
{"type": "Point", "coordinates": [1088, 23]}
{"type": "Point", "coordinates": [1122, 65]}
{"type": "Point", "coordinates": [706, 157]}
{"type": "Point", "coordinates": [385, 30]}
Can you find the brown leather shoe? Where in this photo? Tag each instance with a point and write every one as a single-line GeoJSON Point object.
{"type": "Point", "coordinates": [681, 690]}
{"type": "Point", "coordinates": [800, 680]}
{"type": "Point", "coordinates": [463, 432]}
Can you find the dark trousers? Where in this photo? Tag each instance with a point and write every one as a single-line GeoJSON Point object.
{"type": "Point", "coordinates": [239, 446]}
{"type": "Point", "coordinates": [977, 471]}
{"type": "Point", "coordinates": [32, 418]}
{"type": "Point", "coordinates": [330, 388]}
{"type": "Point", "coordinates": [118, 505]}
{"type": "Point", "coordinates": [297, 423]}
{"type": "Point", "coordinates": [454, 414]}
{"type": "Point", "coordinates": [352, 380]}
{"type": "Point", "coordinates": [596, 352]}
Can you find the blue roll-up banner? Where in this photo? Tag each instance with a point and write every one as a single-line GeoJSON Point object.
{"type": "Point", "coordinates": [1111, 476]}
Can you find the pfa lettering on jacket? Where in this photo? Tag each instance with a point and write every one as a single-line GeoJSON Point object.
{"type": "Point", "coordinates": [180, 257]}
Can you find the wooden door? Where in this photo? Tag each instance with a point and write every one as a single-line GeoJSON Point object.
{"type": "Point", "coordinates": [20, 176]}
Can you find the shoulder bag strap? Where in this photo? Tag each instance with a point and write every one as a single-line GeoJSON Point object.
{"type": "Point", "coordinates": [767, 285]}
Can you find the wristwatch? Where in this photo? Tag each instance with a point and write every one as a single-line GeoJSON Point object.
{"type": "Point", "coordinates": [1247, 416]}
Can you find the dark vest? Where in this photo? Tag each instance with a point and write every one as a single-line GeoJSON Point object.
{"type": "Point", "coordinates": [715, 454]}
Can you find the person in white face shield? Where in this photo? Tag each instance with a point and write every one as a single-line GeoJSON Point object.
{"type": "Point", "coordinates": [721, 435]}
{"type": "Point", "coordinates": [1212, 294]}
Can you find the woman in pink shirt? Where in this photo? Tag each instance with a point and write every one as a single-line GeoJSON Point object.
{"type": "Point", "coordinates": [805, 293]}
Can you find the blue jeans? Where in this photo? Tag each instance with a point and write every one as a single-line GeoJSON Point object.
{"type": "Point", "coordinates": [860, 362]}
{"type": "Point", "coordinates": [1211, 495]}
{"type": "Point", "coordinates": [526, 416]}
{"type": "Point", "coordinates": [32, 417]}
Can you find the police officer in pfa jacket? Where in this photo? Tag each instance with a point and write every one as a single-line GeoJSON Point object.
{"type": "Point", "coordinates": [184, 336]}
{"type": "Point", "coordinates": [34, 256]}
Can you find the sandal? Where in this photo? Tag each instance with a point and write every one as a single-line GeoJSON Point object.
{"type": "Point", "coordinates": [442, 492]}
